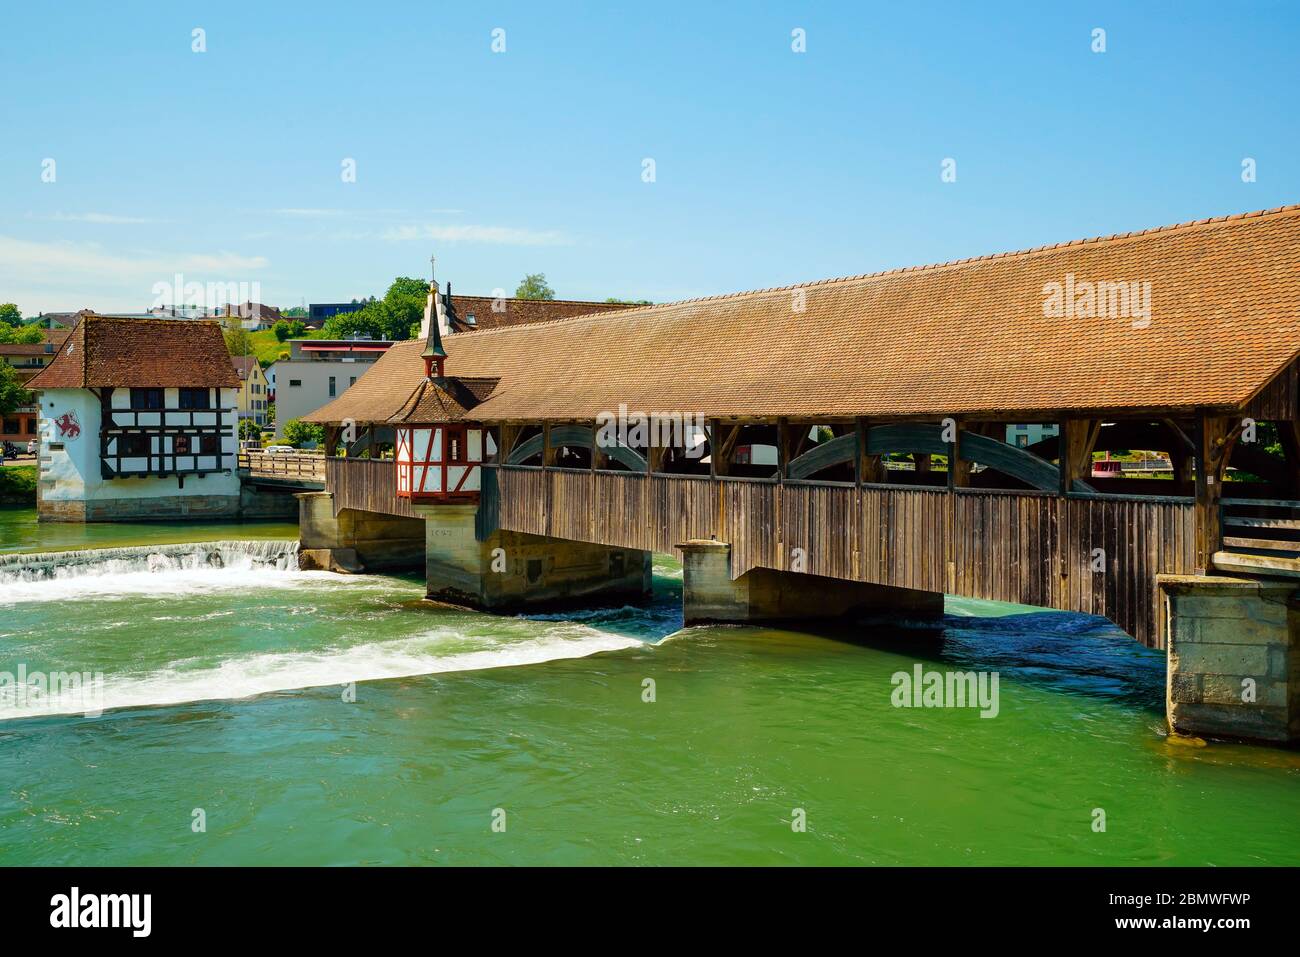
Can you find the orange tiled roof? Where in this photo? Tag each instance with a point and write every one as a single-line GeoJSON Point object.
{"type": "Point", "coordinates": [515, 312]}
{"type": "Point", "coordinates": [962, 338]}
{"type": "Point", "coordinates": [108, 352]}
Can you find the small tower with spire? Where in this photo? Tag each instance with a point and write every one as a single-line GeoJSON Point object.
{"type": "Point", "coordinates": [434, 354]}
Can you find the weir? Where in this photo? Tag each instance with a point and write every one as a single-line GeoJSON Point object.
{"type": "Point", "coordinates": [279, 554]}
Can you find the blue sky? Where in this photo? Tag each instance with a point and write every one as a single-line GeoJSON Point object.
{"type": "Point", "coordinates": [771, 166]}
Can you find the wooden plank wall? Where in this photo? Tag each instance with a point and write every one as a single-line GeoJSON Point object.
{"type": "Point", "coordinates": [369, 485]}
{"type": "Point", "coordinates": [1030, 548]}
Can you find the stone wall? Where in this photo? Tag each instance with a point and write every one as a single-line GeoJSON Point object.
{"type": "Point", "coordinates": [161, 508]}
{"type": "Point", "coordinates": [1233, 668]}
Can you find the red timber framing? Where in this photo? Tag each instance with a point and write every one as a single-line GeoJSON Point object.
{"type": "Point", "coordinates": [434, 463]}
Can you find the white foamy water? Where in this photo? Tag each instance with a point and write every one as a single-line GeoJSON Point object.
{"type": "Point", "coordinates": [154, 569]}
{"type": "Point", "coordinates": [251, 675]}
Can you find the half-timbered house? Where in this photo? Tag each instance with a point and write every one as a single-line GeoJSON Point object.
{"type": "Point", "coordinates": [137, 421]}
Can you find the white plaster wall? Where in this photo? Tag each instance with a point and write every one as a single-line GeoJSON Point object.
{"type": "Point", "coordinates": [75, 469]}
{"type": "Point", "coordinates": [293, 402]}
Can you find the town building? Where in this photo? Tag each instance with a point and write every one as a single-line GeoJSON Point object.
{"type": "Point", "coordinates": [254, 390]}
{"type": "Point", "coordinates": [318, 312]}
{"type": "Point", "coordinates": [19, 426]}
{"type": "Point", "coordinates": [254, 316]}
{"type": "Point", "coordinates": [319, 371]}
{"type": "Point", "coordinates": [137, 422]}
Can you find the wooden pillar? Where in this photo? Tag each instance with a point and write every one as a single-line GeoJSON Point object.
{"type": "Point", "coordinates": [599, 457]}
{"type": "Point", "coordinates": [1214, 446]}
{"type": "Point", "coordinates": [870, 468]}
{"type": "Point", "coordinates": [548, 451]}
{"type": "Point", "coordinates": [1074, 445]}
{"type": "Point", "coordinates": [782, 450]}
{"type": "Point", "coordinates": [656, 453]}
{"type": "Point", "coordinates": [722, 446]}
{"type": "Point", "coordinates": [332, 439]}
{"type": "Point", "coordinates": [959, 467]}
{"type": "Point", "coordinates": [507, 436]}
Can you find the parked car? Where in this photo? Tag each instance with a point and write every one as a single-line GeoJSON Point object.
{"type": "Point", "coordinates": [280, 450]}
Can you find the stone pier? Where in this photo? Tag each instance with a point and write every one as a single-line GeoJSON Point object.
{"type": "Point", "coordinates": [355, 541]}
{"type": "Point", "coordinates": [513, 570]}
{"type": "Point", "coordinates": [710, 594]}
{"type": "Point", "coordinates": [1234, 671]}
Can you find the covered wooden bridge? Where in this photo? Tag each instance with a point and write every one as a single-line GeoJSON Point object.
{"type": "Point", "coordinates": [863, 429]}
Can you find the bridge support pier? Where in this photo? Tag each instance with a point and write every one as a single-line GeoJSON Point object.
{"type": "Point", "coordinates": [513, 570]}
{"type": "Point", "coordinates": [710, 594]}
{"type": "Point", "coordinates": [355, 541]}
{"type": "Point", "coordinates": [1234, 657]}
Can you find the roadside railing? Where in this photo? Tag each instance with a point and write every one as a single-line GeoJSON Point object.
{"type": "Point", "coordinates": [1261, 526]}
{"type": "Point", "coordinates": [297, 467]}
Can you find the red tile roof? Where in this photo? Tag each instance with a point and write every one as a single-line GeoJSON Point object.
{"type": "Point", "coordinates": [108, 352]}
{"type": "Point", "coordinates": [971, 338]}
{"type": "Point", "coordinates": [490, 313]}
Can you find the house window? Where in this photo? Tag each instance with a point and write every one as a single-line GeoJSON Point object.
{"type": "Point", "coordinates": [146, 398]}
{"type": "Point", "coordinates": [294, 383]}
{"type": "Point", "coordinates": [11, 427]}
{"type": "Point", "coordinates": [352, 380]}
{"type": "Point", "coordinates": [209, 445]}
{"type": "Point", "coordinates": [334, 389]}
{"type": "Point", "coordinates": [134, 445]}
{"type": "Point", "coordinates": [181, 445]}
{"type": "Point", "coordinates": [195, 399]}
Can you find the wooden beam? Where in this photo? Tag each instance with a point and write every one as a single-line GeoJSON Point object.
{"type": "Point", "coordinates": [548, 450]}
{"type": "Point", "coordinates": [958, 467]}
{"type": "Point", "coordinates": [1217, 436]}
{"type": "Point", "coordinates": [599, 457]}
{"type": "Point", "coordinates": [507, 436]}
{"type": "Point", "coordinates": [1077, 440]}
{"type": "Point", "coordinates": [870, 468]}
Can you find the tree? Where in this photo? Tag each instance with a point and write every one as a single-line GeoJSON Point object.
{"type": "Point", "coordinates": [10, 315]}
{"type": "Point", "coordinates": [629, 302]}
{"type": "Point", "coordinates": [23, 335]}
{"type": "Point", "coordinates": [12, 394]}
{"type": "Point", "coordinates": [366, 321]}
{"type": "Point", "coordinates": [238, 342]}
{"type": "Point", "coordinates": [284, 329]}
{"type": "Point", "coordinates": [248, 429]}
{"type": "Point", "coordinates": [406, 286]}
{"type": "Point", "coordinates": [534, 286]}
{"type": "Point", "coordinates": [297, 432]}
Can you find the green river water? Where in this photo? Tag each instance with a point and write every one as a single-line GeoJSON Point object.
{"type": "Point", "coordinates": [226, 691]}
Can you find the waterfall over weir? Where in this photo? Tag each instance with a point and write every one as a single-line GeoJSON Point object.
{"type": "Point", "coordinates": [273, 554]}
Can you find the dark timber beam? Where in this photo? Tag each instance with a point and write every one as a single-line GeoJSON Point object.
{"type": "Point", "coordinates": [1217, 436]}
{"type": "Point", "coordinates": [1077, 440]}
